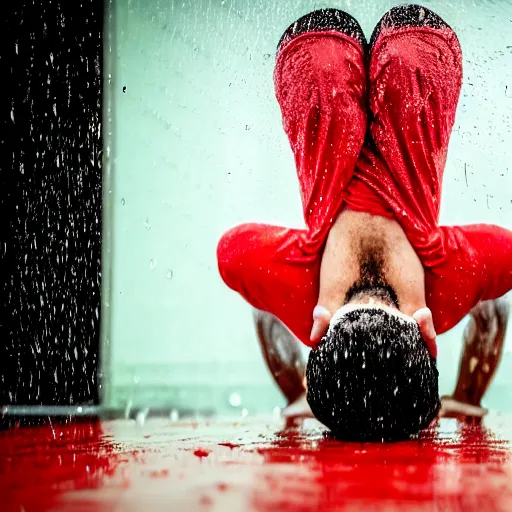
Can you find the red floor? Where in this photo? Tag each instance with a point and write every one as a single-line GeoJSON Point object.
{"type": "Point", "coordinates": [252, 465]}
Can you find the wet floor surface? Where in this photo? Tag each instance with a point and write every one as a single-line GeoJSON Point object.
{"type": "Point", "coordinates": [251, 465]}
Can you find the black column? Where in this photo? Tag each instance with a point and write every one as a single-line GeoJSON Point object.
{"type": "Point", "coordinates": [50, 197]}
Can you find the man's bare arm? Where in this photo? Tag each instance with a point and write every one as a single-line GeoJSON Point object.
{"type": "Point", "coordinates": [484, 338]}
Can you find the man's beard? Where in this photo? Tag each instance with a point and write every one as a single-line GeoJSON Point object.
{"type": "Point", "coordinates": [372, 281]}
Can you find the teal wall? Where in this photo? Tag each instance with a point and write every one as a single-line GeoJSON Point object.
{"type": "Point", "coordinates": [198, 147]}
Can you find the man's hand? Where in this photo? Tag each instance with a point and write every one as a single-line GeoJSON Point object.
{"type": "Point", "coordinates": [321, 320]}
{"type": "Point", "coordinates": [451, 408]}
{"type": "Point", "coordinates": [425, 322]}
{"type": "Point", "coordinates": [298, 409]}
{"type": "Point", "coordinates": [322, 317]}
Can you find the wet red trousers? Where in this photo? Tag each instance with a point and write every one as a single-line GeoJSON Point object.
{"type": "Point", "coordinates": [370, 134]}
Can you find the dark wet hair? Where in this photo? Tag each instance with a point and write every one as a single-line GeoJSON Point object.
{"type": "Point", "coordinates": [372, 378]}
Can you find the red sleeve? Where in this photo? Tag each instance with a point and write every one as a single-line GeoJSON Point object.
{"type": "Point", "coordinates": [478, 266]}
{"type": "Point", "coordinates": [267, 266]}
{"type": "Point", "coordinates": [494, 246]}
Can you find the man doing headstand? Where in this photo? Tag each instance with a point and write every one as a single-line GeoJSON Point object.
{"type": "Point", "coordinates": [373, 277]}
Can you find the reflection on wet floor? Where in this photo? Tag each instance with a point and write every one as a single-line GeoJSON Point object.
{"type": "Point", "coordinates": [254, 464]}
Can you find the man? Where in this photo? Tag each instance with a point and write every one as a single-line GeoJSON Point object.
{"type": "Point", "coordinates": [373, 278]}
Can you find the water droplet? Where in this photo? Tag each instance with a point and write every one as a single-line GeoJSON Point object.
{"type": "Point", "coordinates": [169, 274]}
{"type": "Point", "coordinates": [123, 201]}
{"type": "Point", "coordinates": [235, 400]}
{"type": "Point", "coordinates": [127, 409]}
{"type": "Point", "coordinates": [245, 412]}
{"type": "Point", "coordinates": [175, 415]}
{"type": "Point", "coordinates": [152, 264]}
{"type": "Point", "coordinates": [141, 417]}
{"type": "Point", "coordinates": [147, 225]}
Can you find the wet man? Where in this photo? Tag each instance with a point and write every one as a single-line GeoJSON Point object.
{"type": "Point", "coordinates": [373, 278]}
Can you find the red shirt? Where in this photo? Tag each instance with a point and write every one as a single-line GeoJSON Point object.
{"type": "Point", "coordinates": [374, 140]}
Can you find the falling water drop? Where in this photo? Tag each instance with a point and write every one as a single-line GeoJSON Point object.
{"type": "Point", "coordinates": [235, 400]}
{"type": "Point", "coordinates": [123, 202]}
{"type": "Point", "coordinates": [152, 264]}
{"type": "Point", "coordinates": [141, 417]}
{"type": "Point", "coordinates": [128, 409]}
{"type": "Point", "coordinates": [169, 274]}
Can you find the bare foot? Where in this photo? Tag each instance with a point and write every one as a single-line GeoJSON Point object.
{"type": "Point", "coordinates": [483, 346]}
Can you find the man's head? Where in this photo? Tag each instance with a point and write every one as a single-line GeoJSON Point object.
{"type": "Point", "coordinates": [372, 377]}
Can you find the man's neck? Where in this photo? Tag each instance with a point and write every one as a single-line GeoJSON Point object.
{"type": "Point", "coordinates": [369, 258]}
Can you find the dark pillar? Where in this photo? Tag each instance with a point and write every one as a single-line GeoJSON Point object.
{"type": "Point", "coordinates": [50, 202]}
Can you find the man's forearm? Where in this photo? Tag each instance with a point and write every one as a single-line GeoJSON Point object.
{"type": "Point", "coordinates": [482, 349]}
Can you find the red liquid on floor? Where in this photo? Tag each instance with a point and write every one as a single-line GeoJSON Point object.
{"type": "Point", "coordinates": [253, 465]}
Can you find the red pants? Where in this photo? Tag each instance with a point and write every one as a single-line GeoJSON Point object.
{"type": "Point", "coordinates": [390, 164]}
